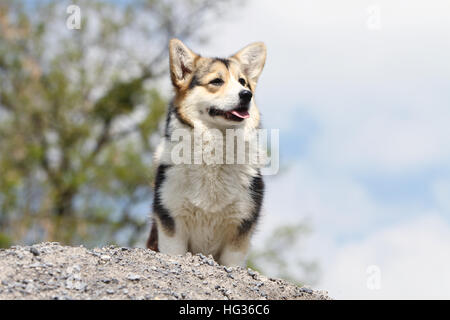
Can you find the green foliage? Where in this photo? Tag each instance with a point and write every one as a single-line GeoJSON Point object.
{"type": "Point", "coordinates": [78, 109]}
{"type": "Point", "coordinates": [5, 241]}
{"type": "Point", "coordinates": [280, 257]}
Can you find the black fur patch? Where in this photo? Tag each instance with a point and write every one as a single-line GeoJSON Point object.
{"type": "Point", "coordinates": [226, 62]}
{"type": "Point", "coordinates": [152, 241]}
{"type": "Point", "coordinates": [194, 82]}
{"type": "Point", "coordinates": [173, 110]}
{"type": "Point", "coordinates": [158, 208]}
{"type": "Point", "coordinates": [257, 194]}
{"type": "Point", "coordinates": [168, 116]}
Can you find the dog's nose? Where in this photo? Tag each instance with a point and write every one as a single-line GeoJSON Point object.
{"type": "Point", "coordinates": [245, 96]}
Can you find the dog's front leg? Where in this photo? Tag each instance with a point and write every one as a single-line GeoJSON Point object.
{"type": "Point", "coordinates": [173, 242]}
{"type": "Point", "coordinates": [234, 253]}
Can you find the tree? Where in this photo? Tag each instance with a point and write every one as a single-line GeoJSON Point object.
{"type": "Point", "coordinates": [79, 110]}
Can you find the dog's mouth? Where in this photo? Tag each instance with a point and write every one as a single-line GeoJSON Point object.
{"type": "Point", "coordinates": [237, 114]}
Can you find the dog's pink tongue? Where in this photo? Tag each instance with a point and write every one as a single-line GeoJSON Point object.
{"type": "Point", "coordinates": [241, 114]}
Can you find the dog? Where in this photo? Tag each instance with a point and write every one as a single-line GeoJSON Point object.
{"type": "Point", "coordinates": [202, 207]}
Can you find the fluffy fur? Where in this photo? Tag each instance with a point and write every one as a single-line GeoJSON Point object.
{"type": "Point", "coordinates": [209, 208]}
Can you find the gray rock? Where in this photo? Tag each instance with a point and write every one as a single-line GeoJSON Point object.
{"type": "Point", "coordinates": [306, 290]}
{"type": "Point", "coordinates": [34, 251]}
{"type": "Point", "coordinates": [227, 269]}
{"type": "Point", "coordinates": [133, 277]}
{"type": "Point", "coordinates": [105, 257]}
{"type": "Point", "coordinates": [77, 273]}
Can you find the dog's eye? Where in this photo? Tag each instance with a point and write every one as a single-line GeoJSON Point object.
{"type": "Point", "coordinates": [242, 81]}
{"type": "Point", "coordinates": [216, 82]}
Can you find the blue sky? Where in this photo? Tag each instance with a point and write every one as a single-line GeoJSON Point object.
{"type": "Point", "coordinates": [363, 114]}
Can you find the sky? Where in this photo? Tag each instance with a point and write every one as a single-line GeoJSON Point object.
{"type": "Point", "coordinates": [360, 91]}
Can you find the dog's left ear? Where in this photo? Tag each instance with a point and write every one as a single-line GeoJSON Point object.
{"type": "Point", "coordinates": [252, 59]}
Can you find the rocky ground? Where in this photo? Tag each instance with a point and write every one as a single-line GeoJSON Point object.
{"type": "Point", "coordinates": [52, 271]}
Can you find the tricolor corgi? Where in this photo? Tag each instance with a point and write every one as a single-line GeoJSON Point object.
{"type": "Point", "coordinates": [204, 207]}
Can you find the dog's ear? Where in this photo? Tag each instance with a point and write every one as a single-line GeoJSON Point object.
{"type": "Point", "coordinates": [252, 59]}
{"type": "Point", "coordinates": [182, 62]}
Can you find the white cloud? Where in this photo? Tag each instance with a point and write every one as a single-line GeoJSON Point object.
{"type": "Point", "coordinates": [413, 258]}
{"type": "Point", "coordinates": [385, 141]}
{"type": "Point", "coordinates": [330, 201]}
{"type": "Point", "coordinates": [352, 231]}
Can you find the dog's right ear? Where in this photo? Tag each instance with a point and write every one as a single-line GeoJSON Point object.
{"type": "Point", "coordinates": [182, 62]}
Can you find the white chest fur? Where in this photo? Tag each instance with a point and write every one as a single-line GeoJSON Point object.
{"type": "Point", "coordinates": [207, 201]}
